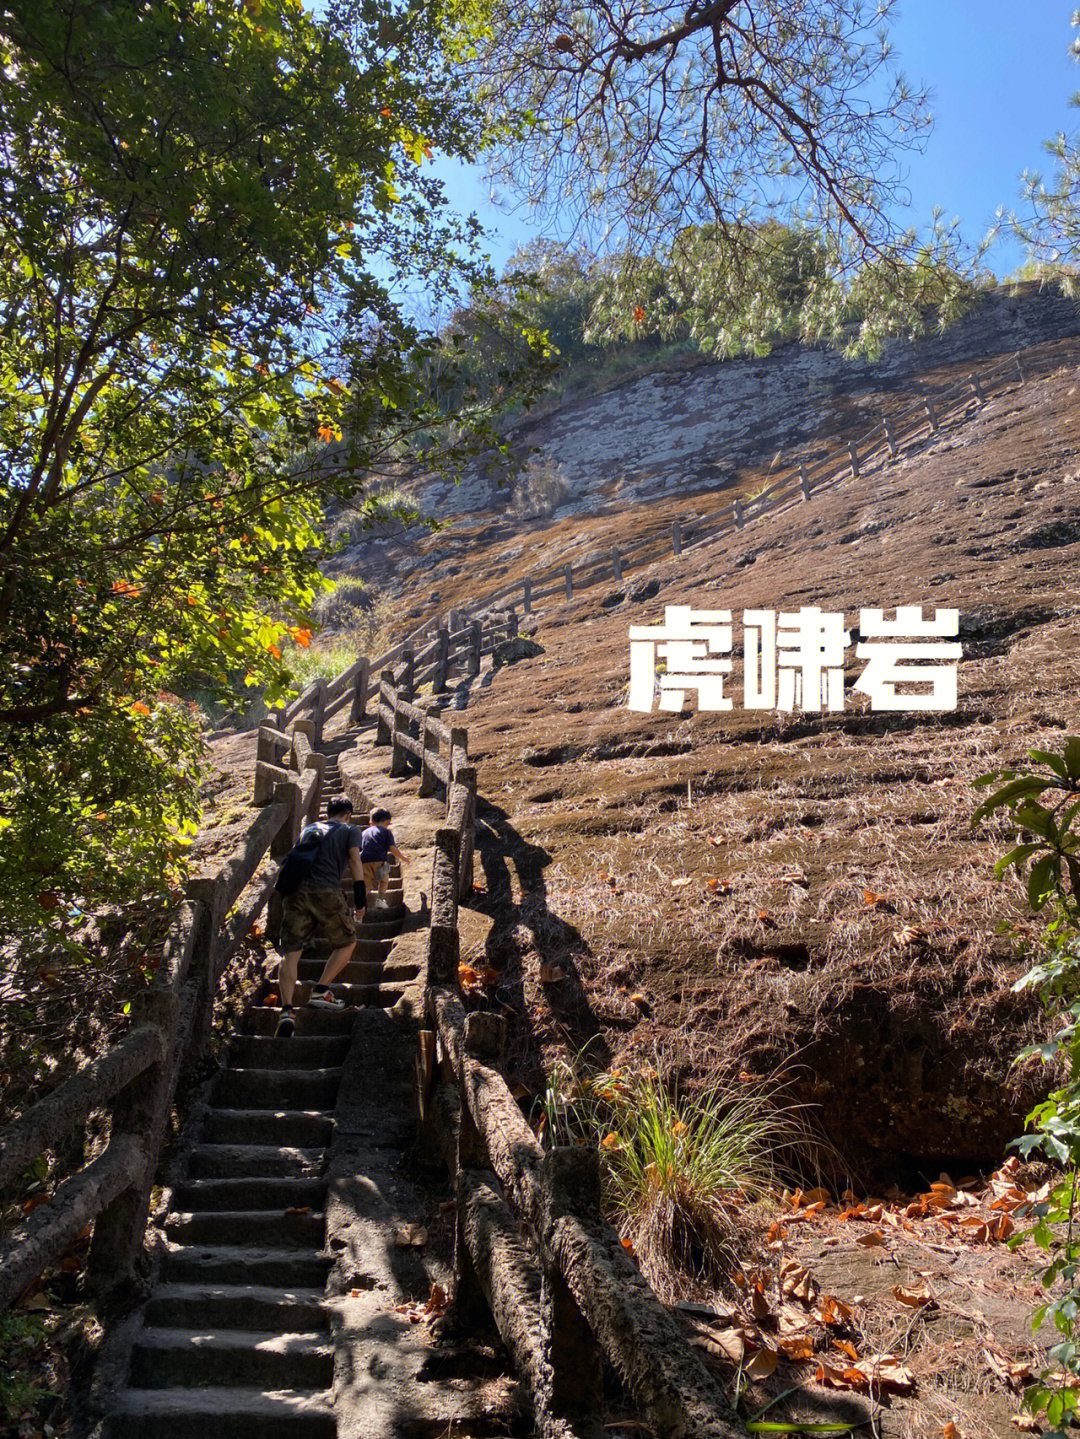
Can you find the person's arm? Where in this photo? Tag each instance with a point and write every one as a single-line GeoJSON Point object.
{"type": "Point", "coordinates": [356, 869]}
{"type": "Point", "coordinates": [401, 858]}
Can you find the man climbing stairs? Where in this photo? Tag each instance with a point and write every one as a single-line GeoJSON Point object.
{"type": "Point", "coordinates": [235, 1340]}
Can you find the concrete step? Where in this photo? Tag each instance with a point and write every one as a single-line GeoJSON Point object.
{"type": "Point", "coordinates": [163, 1358]}
{"type": "Point", "coordinates": [221, 1413]}
{"type": "Point", "coordinates": [382, 996]}
{"type": "Point", "coordinates": [363, 972]}
{"type": "Point", "coordinates": [237, 1306]}
{"type": "Point", "coordinates": [255, 1161]}
{"type": "Point", "coordinates": [260, 1228]}
{"type": "Point", "coordinates": [250, 1192]}
{"type": "Point", "coordinates": [318, 951]}
{"type": "Point", "coordinates": [301, 1051]}
{"type": "Point", "coordinates": [381, 926]}
{"type": "Point", "coordinates": [263, 1018]}
{"type": "Point", "coordinates": [236, 1265]}
{"type": "Point", "coordinates": [298, 1127]}
{"type": "Point", "coordinates": [277, 1088]}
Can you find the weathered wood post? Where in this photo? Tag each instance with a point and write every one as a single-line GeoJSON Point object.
{"type": "Point", "coordinates": [511, 624]}
{"type": "Point", "coordinates": [382, 725]}
{"type": "Point", "coordinates": [573, 1372]}
{"type": "Point", "coordinates": [442, 660]}
{"type": "Point", "coordinates": [853, 451]}
{"type": "Point", "coordinates": [399, 755]}
{"type": "Point", "coordinates": [207, 893]}
{"type": "Point", "coordinates": [737, 514]}
{"type": "Point", "coordinates": [976, 388]}
{"type": "Point", "coordinates": [429, 740]}
{"type": "Point", "coordinates": [526, 596]}
{"type": "Point", "coordinates": [804, 481]}
{"type": "Point", "coordinates": [616, 564]}
{"type": "Point", "coordinates": [568, 575]}
{"type": "Point", "coordinates": [890, 438]}
{"type": "Point", "coordinates": [476, 645]}
{"type": "Point", "coordinates": [484, 1040]}
{"type": "Point", "coordinates": [318, 712]}
{"type": "Point", "coordinates": [444, 945]}
{"type": "Point", "coordinates": [931, 413]}
{"type": "Point", "coordinates": [466, 775]}
{"type": "Point", "coordinates": [358, 708]}
{"type": "Point", "coordinates": [407, 681]}
{"type": "Point", "coordinates": [676, 537]}
{"type": "Point", "coordinates": [1019, 367]}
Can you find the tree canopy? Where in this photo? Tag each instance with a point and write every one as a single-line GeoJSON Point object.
{"type": "Point", "coordinates": [208, 211]}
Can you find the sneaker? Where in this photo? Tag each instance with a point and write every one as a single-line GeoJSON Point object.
{"type": "Point", "coordinates": [286, 1026]}
{"type": "Point", "coordinates": [323, 999]}
{"type": "Point", "coordinates": [381, 903]}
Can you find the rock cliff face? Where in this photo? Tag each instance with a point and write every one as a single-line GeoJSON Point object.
{"type": "Point", "coordinates": [674, 431]}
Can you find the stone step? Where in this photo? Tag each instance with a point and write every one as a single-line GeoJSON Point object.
{"type": "Point", "coordinates": [303, 1128]}
{"type": "Point", "coordinates": [260, 1228]}
{"type": "Point", "coordinates": [380, 996]}
{"type": "Point", "coordinates": [302, 1051]}
{"type": "Point", "coordinates": [221, 1413]}
{"type": "Point", "coordinates": [362, 972]}
{"type": "Point", "coordinates": [381, 926]}
{"type": "Point", "coordinates": [262, 1019]}
{"type": "Point", "coordinates": [265, 1308]}
{"type": "Point", "coordinates": [256, 1161]}
{"type": "Point", "coordinates": [277, 1088]}
{"type": "Point", "coordinates": [250, 1192]}
{"type": "Point", "coordinates": [234, 1264]}
{"type": "Point", "coordinates": [163, 1358]}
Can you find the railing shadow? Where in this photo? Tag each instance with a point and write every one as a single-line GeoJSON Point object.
{"type": "Point", "coordinates": [507, 856]}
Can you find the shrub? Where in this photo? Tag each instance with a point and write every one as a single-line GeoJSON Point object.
{"type": "Point", "coordinates": [679, 1176]}
{"type": "Point", "coordinates": [539, 490]}
{"type": "Point", "coordinates": [343, 605]}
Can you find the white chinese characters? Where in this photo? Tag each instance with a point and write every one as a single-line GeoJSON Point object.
{"type": "Point", "coordinates": [795, 660]}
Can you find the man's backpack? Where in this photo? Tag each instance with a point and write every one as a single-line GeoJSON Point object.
{"type": "Point", "coordinates": [299, 863]}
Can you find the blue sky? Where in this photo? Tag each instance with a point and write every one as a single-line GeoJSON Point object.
{"type": "Point", "coordinates": [1000, 76]}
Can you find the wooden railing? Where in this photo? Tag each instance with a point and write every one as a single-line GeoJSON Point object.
{"type": "Point", "coordinates": [135, 1079]}
{"type": "Point", "coordinates": [530, 1245]}
{"type": "Point", "coordinates": [455, 645]}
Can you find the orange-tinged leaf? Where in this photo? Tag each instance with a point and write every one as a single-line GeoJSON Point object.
{"type": "Point", "coordinates": [846, 1347]}
{"type": "Point", "coordinates": [834, 1312]}
{"type": "Point", "coordinates": [678, 1128]}
{"type": "Point", "coordinates": [610, 1141]}
{"type": "Point", "coordinates": [627, 1244]}
{"type": "Point", "coordinates": [871, 1240]}
{"type": "Point", "coordinates": [298, 1209]}
{"type": "Point", "coordinates": [638, 999]}
{"type": "Point", "coordinates": [950, 1431]}
{"type": "Point", "coordinates": [302, 637]}
{"type": "Point", "coordinates": [138, 708]}
{"type": "Point", "coordinates": [913, 1298]}
{"type": "Point", "coordinates": [467, 975]}
{"type": "Point", "coordinates": [799, 1346]}
{"type": "Point", "coordinates": [551, 974]}
{"type": "Point", "coordinates": [639, 314]}
{"type": "Point", "coordinates": [274, 650]}
{"type": "Point", "coordinates": [762, 1364]}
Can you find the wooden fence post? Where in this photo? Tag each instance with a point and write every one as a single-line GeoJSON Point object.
{"type": "Point", "coordinates": [429, 740]}
{"type": "Point", "coordinates": [1019, 367]}
{"type": "Point", "coordinates": [853, 451]}
{"type": "Point", "coordinates": [616, 564]}
{"type": "Point", "coordinates": [207, 893]}
{"type": "Point", "coordinates": [931, 413]}
{"type": "Point", "coordinates": [573, 1371]}
{"type": "Point", "coordinates": [511, 624]}
{"type": "Point", "coordinates": [358, 708]}
{"type": "Point", "coordinates": [676, 537]}
{"type": "Point", "coordinates": [466, 775]}
{"type": "Point", "coordinates": [976, 388]}
{"type": "Point", "coordinates": [737, 514]}
{"type": "Point", "coordinates": [804, 481]}
{"type": "Point", "coordinates": [476, 646]}
{"type": "Point", "coordinates": [399, 756]}
{"type": "Point", "coordinates": [890, 438]}
{"type": "Point", "coordinates": [526, 596]}
{"type": "Point", "coordinates": [382, 724]}
{"type": "Point", "coordinates": [484, 1039]}
{"type": "Point", "coordinates": [568, 574]}
{"type": "Point", "coordinates": [444, 943]}
{"type": "Point", "coordinates": [318, 713]}
{"type": "Point", "coordinates": [442, 661]}
{"type": "Point", "coordinates": [407, 683]}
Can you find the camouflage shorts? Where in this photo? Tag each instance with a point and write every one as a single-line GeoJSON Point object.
{"type": "Point", "coordinates": [310, 913]}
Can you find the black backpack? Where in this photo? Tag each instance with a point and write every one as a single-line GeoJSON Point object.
{"type": "Point", "coordinates": [300, 860]}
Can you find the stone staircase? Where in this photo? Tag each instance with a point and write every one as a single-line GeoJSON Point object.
{"type": "Point", "coordinates": [235, 1341]}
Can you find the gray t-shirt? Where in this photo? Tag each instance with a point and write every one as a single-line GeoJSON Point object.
{"type": "Point", "coordinates": [332, 855]}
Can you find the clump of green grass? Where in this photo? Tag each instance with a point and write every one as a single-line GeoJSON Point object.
{"type": "Point", "coordinates": [681, 1177]}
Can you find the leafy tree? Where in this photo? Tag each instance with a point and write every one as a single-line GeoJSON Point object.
{"type": "Point", "coordinates": [198, 200]}
{"type": "Point", "coordinates": [1049, 222]}
{"type": "Point", "coordinates": [649, 120]}
{"type": "Point", "coordinates": [1043, 800]}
